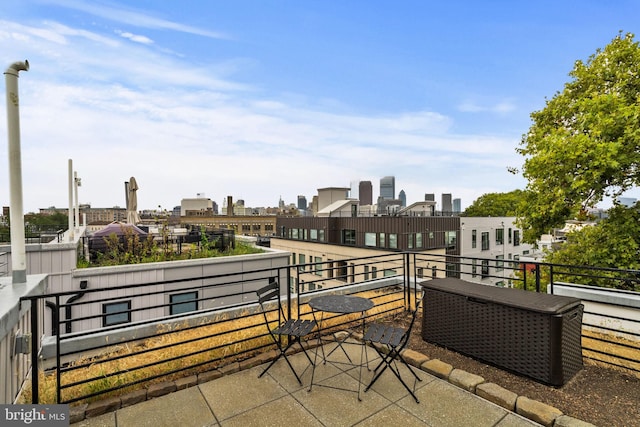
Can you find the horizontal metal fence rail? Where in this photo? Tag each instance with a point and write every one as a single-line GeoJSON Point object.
{"type": "Point", "coordinates": [186, 343]}
{"type": "Point", "coordinates": [203, 339]}
{"type": "Point", "coordinates": [619, 348]}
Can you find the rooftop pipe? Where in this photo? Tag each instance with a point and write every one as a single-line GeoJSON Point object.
{"type": "Point", "coordinates": [18, 252]}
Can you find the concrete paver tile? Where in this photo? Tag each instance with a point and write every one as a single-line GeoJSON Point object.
{"type": "Point", "coordinates": [281, 412]}
{"type": "Point", "coordinates": [104, 420]}
{"type": "Point", "coordinates": [335, 407]}
{"type": "Point", "coordinates": [184, 408]}
{"type": "Point", "coordinates": [445, 405]}
{"type": "Point", "coordinates": [234, 394]}
{"type": "Point", "coordinates": [392, 416]}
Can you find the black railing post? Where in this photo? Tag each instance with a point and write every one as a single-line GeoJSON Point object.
{"type": "Point", "coordinates": [551, 277]}
{"type": "Point", "coordinates": [34, 351]}
{"type": "Point", "coordinates": [538, 278]}
{"type": "Point", "coordinates": [407, 283]}
{"type": "Point", "coordinates": [58, 367]}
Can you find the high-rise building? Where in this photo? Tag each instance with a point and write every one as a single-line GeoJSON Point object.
{"type": "Point", "coordinates": [457, 205]}
{"type": "Point", "coordinates": [354, 192]}
{"type": "Point", "coordinates": [388, 187]}
{"type": "Point", "coordinates": [429, 197]}
{"type": "Point", "coordinates": [403, 198]}
{"type": "Point", "coordinates": [302, 203]}
{"type": "Point", "coordinates": [365, 193]}
{"type": "Point", "coordinates": [446, 203]}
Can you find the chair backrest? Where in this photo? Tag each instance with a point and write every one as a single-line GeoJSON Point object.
{"type": "Point", "coordinates": [270, 292]}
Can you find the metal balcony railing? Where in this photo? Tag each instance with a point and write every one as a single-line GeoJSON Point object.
{"type": "Point", "coordinates": [112, 340]}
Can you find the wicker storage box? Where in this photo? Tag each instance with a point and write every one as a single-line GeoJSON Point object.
{"type": "Point", "coordinates": [532, 334]}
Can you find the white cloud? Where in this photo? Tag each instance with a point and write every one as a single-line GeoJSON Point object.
{"type": "Point", "coordinates": [133, 17]}
{"type": "Point", "coordinates": [134, 37]}
{"type": "Point", "coordinates": [121, 109]}
{"type": "Point", "coordinates": [502, 107]}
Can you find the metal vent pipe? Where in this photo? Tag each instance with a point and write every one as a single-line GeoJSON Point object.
{"type": "Point", "coordinates": [18, 252]}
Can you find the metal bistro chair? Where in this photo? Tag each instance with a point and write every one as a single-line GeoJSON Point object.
{"type": "Point", "coordinates": [394, 339]}
{"type": "Point", "coordinates": [293, 329]}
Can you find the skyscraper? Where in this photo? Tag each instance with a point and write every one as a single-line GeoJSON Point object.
{"type": "Point", "coordinates": [429, 197]}
{"type": "Point", "coordinates": [388, 187]}
{"type": "Point", "coordinates": [302, 203]}
{"type": "Point", "coordinates": [403, 198]}
{"type": "Point", "coordinates": [457, 205]}
{"type": "Point", "coordinates": [446, 203]}
{"type": "Point", "coordinates": [365, 192]}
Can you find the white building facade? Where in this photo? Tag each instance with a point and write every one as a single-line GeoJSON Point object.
{"type": "Point", "coordinates": [492, 246]}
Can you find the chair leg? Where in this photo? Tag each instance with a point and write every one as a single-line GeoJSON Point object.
{"type": "Point", "coordinates": [389, 361]}
{"type": "Point", "coordinates": [282, 353]}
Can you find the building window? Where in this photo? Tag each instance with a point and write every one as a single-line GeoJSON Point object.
{"type": "Point", "coordinates": [321, 235]}
{"type": "Point", "coordinates": [485, 268]}
{"type": "Point", "coordinates": [450, 238]}
{"type": "Point", "coordinates": [302, 259]}
{"type": "Point", "coordinates": [313, 234]}
{"type": "Point", "coordinates": [410, 241]}
{"type": "Point", "coordinates": [474, 238]}
{"type": "Point", "coordinates": [182, 303]}
{"type": "Point", "coordinates": [116, 313]}
{"type": "Point", "coordinates": [389, 272]}
{"type": "Point", "coordinates": [418, 240]}
{"type": "Point", "coordinates": [294, 233]}
{"type": "Point", "coordinates": [485, 240]}
{"type": "Point", "coordinates": [369, 239]}
{"type": "Point", "coordinates": [474, 268]}
{"type": "Point", "coordinates": [293, 258]}
{"type": "Point", "coordinates": [420, 272]}
{"type": "Point", "coordinates": [393, 241]}
{"type": "Point", "coordinates": [509, 237]}
{"type": "Point", "coordinates": [349, 237]}
{"type": "Point", "coordinates": [318, 266]}
{"type": "Point", "coordinates": [516, 237]}
{"type": "Point", "coordinates": [366, 272]}
{"type": "Point", "coordinates": [499, 236]}
{"type": "Point", "coordinates": [383, 244]}
{"type": "Point", "coordinates": [374, 272]}
{"type": "Point", "coordinates": [499, 262]}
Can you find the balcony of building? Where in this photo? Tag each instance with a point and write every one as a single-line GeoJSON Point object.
{"type": "Point", "coordinates": [110, 352]}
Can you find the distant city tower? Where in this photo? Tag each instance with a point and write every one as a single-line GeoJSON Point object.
{"type": "Point", "coordinates": [365, 192]}
{"type": "Point", "coordinates": [403, 198]}
{"type": "Point", "coordinates": [388, 187]}
{"type": "Point", "coordinates": [302, 203]}
{"type": "Point", "coordinates": [446, 208]}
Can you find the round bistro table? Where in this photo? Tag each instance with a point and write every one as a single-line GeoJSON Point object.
{"type": "Point", "coordinates": [338, 304]}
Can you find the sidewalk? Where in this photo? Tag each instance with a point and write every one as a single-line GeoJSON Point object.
{"type": "Point", "coordinates": [276, 399]}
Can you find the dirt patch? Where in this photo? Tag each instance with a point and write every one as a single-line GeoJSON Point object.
{"type": "Point", "coordinates": [598, 395]}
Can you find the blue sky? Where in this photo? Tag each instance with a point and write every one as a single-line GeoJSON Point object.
{"type": "Point", "coordinates": [267, 99]}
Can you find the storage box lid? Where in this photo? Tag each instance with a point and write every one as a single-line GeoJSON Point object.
{"type": "Point", "coordinates": [533, 301]}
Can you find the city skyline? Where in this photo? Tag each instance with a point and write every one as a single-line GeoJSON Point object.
{"type": "Point", "coordinates": [258, 100]}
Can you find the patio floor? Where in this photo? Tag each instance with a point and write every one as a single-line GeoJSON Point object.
{"type": "Point", "coordinates": [276, 399]}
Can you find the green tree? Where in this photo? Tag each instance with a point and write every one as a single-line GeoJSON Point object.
{"type": "Point", "coordinates": [613, 243]}
{"type": "Point", "coordinates": [584, 145]}
{"type": "Point", "coordinates": [495, 204]}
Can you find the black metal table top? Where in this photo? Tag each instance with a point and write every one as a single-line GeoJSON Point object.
{"type": "Point", "coordinates": [340, 304]}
